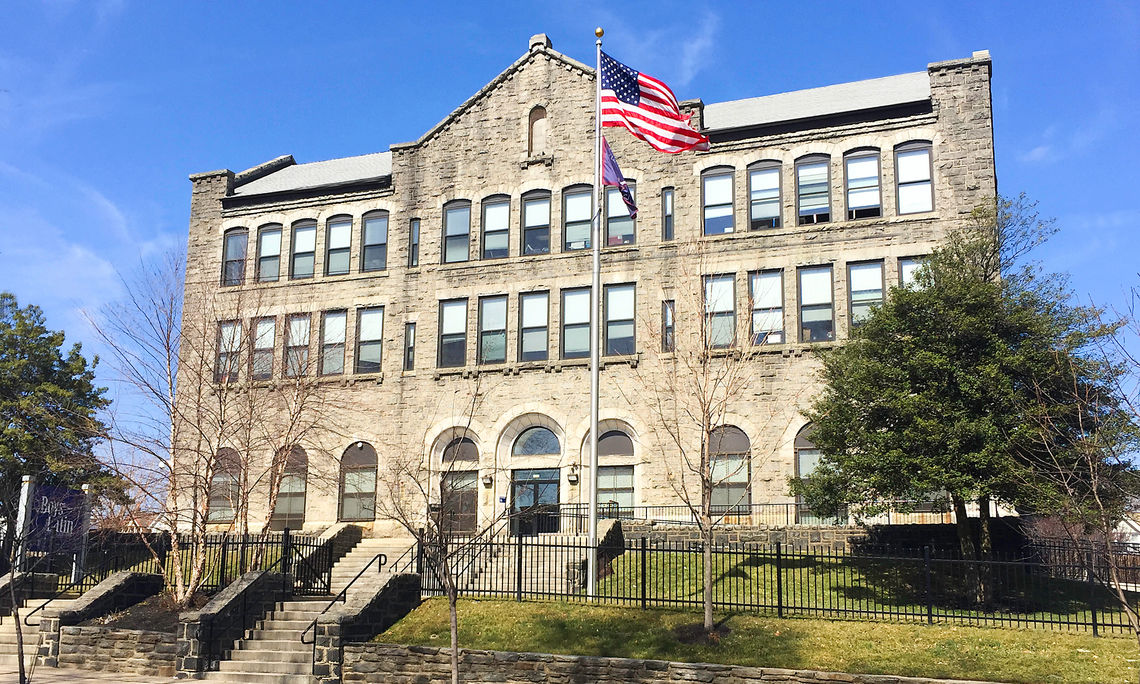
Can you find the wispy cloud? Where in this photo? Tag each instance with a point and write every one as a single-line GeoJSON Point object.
{"type": "Point", "coordinates": [1057, 142]}
{"type": "Point", "coordinates": [696, 51]}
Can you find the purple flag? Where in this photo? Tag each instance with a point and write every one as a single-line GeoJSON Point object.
{"type": "Point", "coordinates": [611, 175]}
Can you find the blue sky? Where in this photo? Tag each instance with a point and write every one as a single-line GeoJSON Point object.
{"type": "Point", "coordinates": [107, 105]}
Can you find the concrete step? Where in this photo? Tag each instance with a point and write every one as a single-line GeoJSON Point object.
{"type": "Point", "coordinates": [292, 644]}
{"type": "Point", "coordinates": [262, 654]}
{"type": "Point", "coordinates": [285, 625]}
{"type": "Point", "coordinates": [258, 678]}
{"type": "Point", "coordinates": [269, 666]}
{"type": "Point", "coordinates": [275, 635]}
{"type": "Point", "coordinates": [305, 615]}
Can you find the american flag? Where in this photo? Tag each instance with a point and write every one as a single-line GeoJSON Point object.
{"type": "Point", "coordinates": [646, 108]}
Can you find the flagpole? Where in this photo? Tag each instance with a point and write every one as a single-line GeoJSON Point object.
{"type": "Point", "coordinates": [595, 310]}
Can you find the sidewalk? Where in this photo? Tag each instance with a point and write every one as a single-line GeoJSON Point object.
{"type": "Point", "coordinates": [59, 675]}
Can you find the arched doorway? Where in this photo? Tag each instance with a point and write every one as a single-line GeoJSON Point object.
{"type": "Point", "coordinates": [534, 491]}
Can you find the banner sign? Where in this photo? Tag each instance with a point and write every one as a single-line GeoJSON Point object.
{"type": "Point", "coordinates": [56, 520]}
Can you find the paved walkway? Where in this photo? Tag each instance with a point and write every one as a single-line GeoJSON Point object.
{"type": "Point", "coordinates": [59, 675]}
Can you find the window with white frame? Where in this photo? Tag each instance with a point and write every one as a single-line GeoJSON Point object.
{"type": "Point", "coordinates": [233, 256]}
{"type": "Point", "coordinates": [767, 293]}
{"type": "Point", "coordinates": [619, 224]}
{"type": "Point", "coordinates": [269, 254]}
{"type": "Point", "coordinates": [668, 329]}
{"type": "Point", "coordinates": [534, 312]}
{"type": "Point", "coordinates": [913, 173]}
{"type": "Point", "coordinates": [493, 329]}
{"type": "Point", "coordinates": [716, 201]}
{"type": "Point", "coordinates": [338, 245]}
{"type": "Point", "coordinates": [576, 215]}
{"type": "Point", "coordinates": [456, 232]}
{"type": "Point", "coordinates": [575, 323]}
{"type": "Point", "coordinates": [496, 227]}
{"type": "Point", "coordinates": [452, 333]}
{"type": "Point", "coordinates": [730, 467]}
{"type": "Point", "coordinates": [764, 195]}
{"type": "Point", "coordinates": [265, 332]}
{"type": "Point", "coordinates": [332, 342]}
{"type": "Point", "coordinates": [304, 245]}
{"type": "Point", "coordinates": [865, 287]}
{"type": "Point", "coordinates": [369, 339]}
{"type": "Point", "coordinates": [374, 245]}
{"type": "Point", "coordinates": [615, 487]}
{"type": "Point", "coordinates": [908, 270]}
{"type": "Point", "coordinates": [720, 311]}
{"type": "Point", "coordinates": [863, 196]}
{"type": "Point", "coordinates": [667, 214]}
{"type": "Point", "coordinates": [409, 346]}
{"type": "Point", "coordinates": [414, 243]}
{"type": "Point", "coordinates": [813, 189]}
{"type": "Point", "coordinates": [228, 364]}
{"type": "Point", "coordinates": [817, 322]}
{"type": "Point", "coordinates": [536, 223]}
{"type": "Point", "coordinates": [619, 310]}
{"type": "Point", "coordinates": [297, 345]}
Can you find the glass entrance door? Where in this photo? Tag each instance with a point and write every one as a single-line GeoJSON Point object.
{"type": "Point", "coordinates": [534, 502]}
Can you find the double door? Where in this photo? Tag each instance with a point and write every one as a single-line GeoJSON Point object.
{"type": "Point", "coordinates": [534, 502]}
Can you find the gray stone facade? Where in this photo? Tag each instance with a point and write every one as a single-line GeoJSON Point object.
{"type": "Point", "coordinates": [103, 649]}
{"type": "Point", "coordinates": [486, 149]}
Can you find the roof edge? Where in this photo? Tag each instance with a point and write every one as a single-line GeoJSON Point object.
{"type": "Point", "coordinates": [262, 170]}
{"type": "Point", "coordinates": [978, 57]}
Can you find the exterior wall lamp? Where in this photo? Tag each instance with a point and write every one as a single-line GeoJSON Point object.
{"type": "Point", "coordinates": [572, 478]}
{"type": "Point", "coordinates": [488, 480]}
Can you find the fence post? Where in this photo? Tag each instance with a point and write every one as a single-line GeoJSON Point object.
{"type": "Point", "coordinates": [286, 557]}
{"type": "Point", "coordinates": [223, 571]}
{"type": "Point", "coordinates": [644, 565]}
{"type": "Point", "coordinates": [420, 552]}
{"type": "Point", "coordinates": [1092, 590]}
{"type": "Point", "coordinates": [779, 582]}
{"type": "Point", "coordinates": [518, 567]}
{"type": "Point", "coordinates": [929, 597]}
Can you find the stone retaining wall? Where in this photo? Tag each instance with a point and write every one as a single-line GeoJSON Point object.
{"type": "Point", "coordinates": [833, 538]}
{"type": "Point", "coordinates": [426, 665]}
{"type": "Point", "coordinates": [118, 650]}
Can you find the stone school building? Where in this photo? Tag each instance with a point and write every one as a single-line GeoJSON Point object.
{"type": "Point", "coordinates": [438, 291]}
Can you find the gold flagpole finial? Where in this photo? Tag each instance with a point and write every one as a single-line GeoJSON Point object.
{"type": "Point", "coordinates": [599, 32]}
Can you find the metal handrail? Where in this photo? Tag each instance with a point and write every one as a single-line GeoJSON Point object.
{"type": "Point", "coordinates": [57, 594]}
{"type": "Point", "coordinates": [343, 598]}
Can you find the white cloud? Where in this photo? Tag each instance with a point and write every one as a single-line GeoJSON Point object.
{"type": "Point", "coordinates": [1039, 153]}
{"type": "Point", "coordinates": [696, 51]}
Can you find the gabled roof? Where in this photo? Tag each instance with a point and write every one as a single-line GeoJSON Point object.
{"type": "Point", "coordinates": [333, 172]}
{"type": "Point", "coordinates": [872, 93]}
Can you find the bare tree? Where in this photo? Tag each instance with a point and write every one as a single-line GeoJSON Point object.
{"type": "Point", "coordinates": [706, 370]}
{"type": "Point", "coordinates": [209, 423]}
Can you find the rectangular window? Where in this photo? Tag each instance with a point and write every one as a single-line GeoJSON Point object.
{"type": "Point", "coordinates": [358, 502]}
{"type": "Point", "coordinates": [496, 225]}
{"type": "Point", "coordinates": [233, 257]}
{"type": "Point", "coordinates": [619, 224]}
{"type": "Point", "coordinates": [619, 320]}
{"type": "Point", "coordinates": [667, 214]}
{"type": "Point", "coordinates": [297, 345]}
{"type": "Point", "coordinates": [767, 292]}
{"type": "Point", "coordinates": [764, 197]}
{"type": "Point", "coordinates": [730, 482]}
{"type": "Point", "coordinates": [453, 333]}
{"type": "Point", "coordinates": [575, 323]}
{"type": "Point", "coordinates": [227, 367]}
{"type": "Point", "coordinates": [409, 346]}
{"type": "Point", "coordinates": [813, 192]}
{"type": "Point", "coordinates": [912, 171]}
{"type": "Point", "coordinates": [456, 234]}
{"type": "Point", "coordinates": [865, 288]}
{"type": "Point", "coordinates": [908, 267]}
{"type": "Point", "coordinates": [459, 501]}
{"type": "Point", "coordinates": [224, 493]}
{"type": "Point", "coordinates": [720, 311]}
{"type": "Point", "coordinates": [414, 243]}
{"type": "Point", "coordinates": [576, 215]}
{"type": "Point", "coordinates": [369, 339]}
{"type": "Point", "coordinates": [863, 186]}
{"type": "Point", "coordinates": [338, 244]}
{"type": "Point", "coordinates": [374, 253]}
{"type": "Point", "coordinates": [493, 329]}
{"type": "Point", "coordinates": [332, 342]}
{"type": "Point", "coordinates": [265, 332]}
{"type": "Point", "coordinates": [536, 225]}
{"type": "Point", "coordinates": [304, 250]}
{"type": "Point", "coordinates": [269, 255]}
{"type": "Point", "coordinates": [534, 311]}
{"type": "Point", "coordinates": [615, 486]}
{"type": "Point", "coordinates": [717, 196]}
{"type": "Point", "coordinates": [668, 331]}
{"type": "Point", "coordinates": [816, 316]}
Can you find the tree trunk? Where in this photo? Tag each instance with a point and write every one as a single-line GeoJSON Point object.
{"type": "Point", "coordinates": [16, 622]}
{"type": "Point", "coordinates": [966, 544]}
{"type": "Point", "coordinates": [453, 619]}
{"type": "Point", "coordinates": [708, 572]}
{"type": "Point", "coordinates": [985, 550]}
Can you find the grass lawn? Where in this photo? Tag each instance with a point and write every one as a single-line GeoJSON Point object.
{"type": "Point", "coordinates": [1007, 655]}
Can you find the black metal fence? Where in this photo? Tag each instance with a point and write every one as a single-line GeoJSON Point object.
{"type": "Point", "coordinates": [573, 517]}
{"type": "Point", "coordinates": [918, 585]}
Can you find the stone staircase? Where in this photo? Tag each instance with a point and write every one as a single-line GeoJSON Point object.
{"type": "Point", "coordinates": [272, 652]}
{"type": "Point", "coordinates": [31, 634]}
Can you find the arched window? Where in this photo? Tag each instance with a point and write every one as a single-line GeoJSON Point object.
{"type": "Point", "coordinates": [304, 249]}
{"type": "Point", "coordinates": [358, 483]}
{"type": "Point", "coordinates": [338, 245]}
{"type": "Point", "coordinates": [813, 189]}
{"type": "Point", "coordinates": [577, 212]}
{"type": "Point", "coordinates": [269, 253]}
{"type": "Point", "coordinates": [537, 441]}
{"type": "Point", "coordinates": [290, 508]}
{"type": "Point", "coordinates": [374, 241]}
{"type": "Point", "coordinates": [764, 197]}
{"type": "Point", "coordinates": [914, 171]}
{"type": "Point", "coordinates": [233, 256]}
{"type": "Point", "coordinates": [496, 226]}
{"type": "Point", "coordinates": [536, 222]}
{"type": "Point", "coordinates": [615, 483]}
{"type": "Point", "coordinates": [716, 200]}
{"type": "Point", "coordinates": [460, 449]}
{"type": "Point", "coordinates": [225, 487]}
{"type": "Point", "coordinates": [538, 131]}
{"type": "Point", "coordinates": [861, 171]}
{"type": "Point", "coordinates": [456, 231]}
{"type": "Point", "coordinates": [730, 458]}
{"type": "Point", "coordinates": [807, 454]}
{"type": "Point", "coordinates": [458, 489]}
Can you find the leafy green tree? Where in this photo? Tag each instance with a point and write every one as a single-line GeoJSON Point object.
{"type": "Point", "coordinates": [936, 395]}
{"type": "Point", "coordinates": [48, 408]}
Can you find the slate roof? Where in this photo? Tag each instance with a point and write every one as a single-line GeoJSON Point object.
{"type": "Point", "coordinates": [320, 174]}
